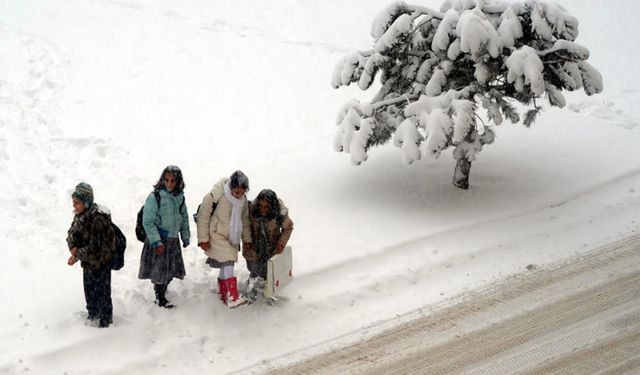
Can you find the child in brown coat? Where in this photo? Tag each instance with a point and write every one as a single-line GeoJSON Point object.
{"type": "Point", "coordinates": [271, 229]}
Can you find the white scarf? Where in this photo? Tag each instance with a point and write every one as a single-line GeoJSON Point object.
{"type": "Point", "coordinates": [235, 224]}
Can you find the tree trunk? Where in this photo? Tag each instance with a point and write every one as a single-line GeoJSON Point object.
{"type": "Point", "coordinates": [461, 174]}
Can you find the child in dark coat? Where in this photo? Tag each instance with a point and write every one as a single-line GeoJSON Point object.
{"type": "Point", "coordinates": [91, 240]}
{"type": "Point", "coordinates": [271, 229]}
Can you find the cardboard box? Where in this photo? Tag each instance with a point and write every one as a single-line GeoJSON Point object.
{"type": "Point", "coordinates": [279, 272]}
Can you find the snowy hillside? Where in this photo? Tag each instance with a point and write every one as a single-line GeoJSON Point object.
{"type": "Point", "coordinates": [110, 92]}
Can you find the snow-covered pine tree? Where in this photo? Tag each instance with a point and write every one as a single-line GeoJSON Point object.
{"type": "Point", "coordinates": [437, 67]}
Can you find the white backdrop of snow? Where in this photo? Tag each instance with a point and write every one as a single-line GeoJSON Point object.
{"type": "Point", "coordinates": [111, 92]}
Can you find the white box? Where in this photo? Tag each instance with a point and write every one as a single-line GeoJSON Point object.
{"type": "Point", "coordinates": [279, 272]}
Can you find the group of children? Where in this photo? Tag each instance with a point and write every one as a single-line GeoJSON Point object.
{"type": "Point", "coordinates": [226, 223]}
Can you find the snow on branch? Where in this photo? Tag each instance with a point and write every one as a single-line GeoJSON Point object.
{"type": "Point", "coordinates": [555, 96]}
{"type": "Point", "coordinates": [550, 21]}
{"type": "Point", "coordinates": [347, 126]}
{"type": "Point", "coordinates": [591, 78]}
{"type": "Point", "coordinates": [439, 130]}
{"type": "Point", "coordinates": [477, 35]}
{"type": "Point", "coordinates": [373, 64]}
{"type": "Point", "coordinates": [458, 5]}
{"type": "Point", "coordinates": [568, 50]}
{"type": "Point", "coordinates": [510, 28]}
{"type": "Point", "coordinates": [426, 70]}
{"type": "Point", "coordinates": [436, 83]}
{"type": "Point", "coordinates": [348, 70]}
{"type": "Point", "coordinates": [445, 32]}
{"type": "Point", "coordinates": [482, 72]}
{"type": "Point", "coordinates": [360, 140]}
{"type": "Point", "coordinates": [428, 103]}
{"type": "Point", "coordinates": [525, 68]}
{"type": "Point", "coordinates": [464, 119]}
{"type": "Point", "coordinates": [573, 72]}
{"type": "Point", "coordinates": [482, 5]}
{"type": "Point", "coordinates": [408, 139]}
{"type": "Point", "coordinates": [399, 29]}
{"type": "Point", "coordinates": [387, 17]}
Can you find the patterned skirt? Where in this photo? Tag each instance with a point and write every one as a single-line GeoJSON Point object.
{"type": "Point", "coordinates": [161, 269]}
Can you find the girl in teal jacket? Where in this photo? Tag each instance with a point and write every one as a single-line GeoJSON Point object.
{"type": "Point", "coordinates": [166, 221]}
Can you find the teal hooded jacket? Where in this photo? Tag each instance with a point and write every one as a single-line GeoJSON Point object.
{"type": "Point", "coordinates": [166, 220]}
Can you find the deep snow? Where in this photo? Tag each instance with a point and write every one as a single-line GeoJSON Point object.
{"type": "Point", "coordinates": [110, 92]}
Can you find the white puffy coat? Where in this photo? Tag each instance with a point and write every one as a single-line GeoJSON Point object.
{"type": "Point", "coordinates": [213, 227]}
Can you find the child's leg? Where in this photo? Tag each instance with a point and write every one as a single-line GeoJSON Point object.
{"type": "Point", "coordinates": [254, 269]}
{"type": "Point", "coordinates": [226, 272]}
{"type": "Point", "coordinates": [261, 269]}
{"type": "Point", "coordinates": [229, 287]}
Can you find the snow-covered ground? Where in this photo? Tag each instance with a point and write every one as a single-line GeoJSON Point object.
{"type": "Point", "coordinates": [110, 92]}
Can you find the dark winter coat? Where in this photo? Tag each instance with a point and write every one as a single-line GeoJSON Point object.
{"type": "Point", "coordinates": [93, 236]}
{"type": "Point", "coordinates": [267, 232]}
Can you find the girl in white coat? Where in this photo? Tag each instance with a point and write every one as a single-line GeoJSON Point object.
{"type": "Point", "coordinates": [223, 225]}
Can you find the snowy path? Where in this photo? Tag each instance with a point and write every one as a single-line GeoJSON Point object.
{"type": "Point", "coordinates": [580, 316]}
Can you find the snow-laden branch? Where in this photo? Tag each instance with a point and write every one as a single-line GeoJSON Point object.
{"type": "Point", "coordinates": [525, 68]}
{"type": "Point", "coordinates": [408, 139]}
{"type": "Point", "coordinates": [567, 49]}
{"type": "Point", "coordinates": [390, 14]}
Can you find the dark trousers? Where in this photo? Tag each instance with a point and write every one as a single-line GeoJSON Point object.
{"type": "Point", "coordinates": [160, 289]}
{"type": "Point", "coordinates": [257, 269]}
{"type": "Point", "coordinates": [97, 293]}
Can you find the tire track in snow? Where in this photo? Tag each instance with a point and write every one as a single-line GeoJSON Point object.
{"type": "Point", "coordinates": [579, 316]}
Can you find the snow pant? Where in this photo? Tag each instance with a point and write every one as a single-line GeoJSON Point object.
{"type": "Point", "coordinates": [97, 293]}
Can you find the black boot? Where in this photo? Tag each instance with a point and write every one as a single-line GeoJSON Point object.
{"type": "Point", "coordinates": [161, 299]}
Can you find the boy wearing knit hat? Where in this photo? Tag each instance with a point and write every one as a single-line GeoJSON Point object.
{"type": "Point", "coordinates": [91, 240]}
{"type": "Point", "coordinates": [84, 193]}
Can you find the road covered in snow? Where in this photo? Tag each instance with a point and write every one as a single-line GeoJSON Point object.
{"type": "Point", "coordinates": [580, 316]}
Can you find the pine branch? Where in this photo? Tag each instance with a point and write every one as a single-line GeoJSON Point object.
{"type": "Point", "coordinates": [384, 103]}
{"type": "Point", "coordinates": [479, 118]}
{"type": "Point", "coordinates": [424, 11]}
{"type": "Point", "coordinates": [419, 54]}
{"type": "Point", "coordinates": [531, 116]}
{"type": "Point", "coordinates": [424, 22]}
{"type": "Point", "coordinates": [509, 111]}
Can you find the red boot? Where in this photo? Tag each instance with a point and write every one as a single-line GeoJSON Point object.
{"type": "Point", "coordinates": [234, 298]}
{"type": "Point", "coordinates": [223, 290]}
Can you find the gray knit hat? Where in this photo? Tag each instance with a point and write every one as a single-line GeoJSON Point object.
{"type": "Point", "coordinates": [84, 192]}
